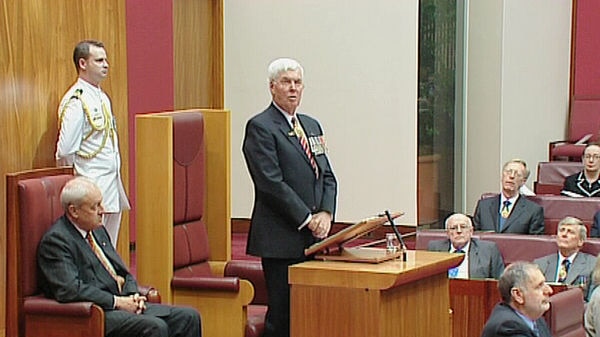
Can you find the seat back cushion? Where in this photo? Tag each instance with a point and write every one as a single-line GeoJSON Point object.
{"type": "Point", "coordinates": [584, 119]}
{"type": "Point", "coordinates": [565, 317]}
{"type": "Point", "coordinates": [39, 208]}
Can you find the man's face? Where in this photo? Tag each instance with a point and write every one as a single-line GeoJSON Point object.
{"type": "Point", "coordinates": [513, 177]}
{"type": "Point", "coordinates": [287, 90]}
{"type": "Point", "coordinates": [591, 158]}
{"type": "Point", "coordinates": [88, 215]}
{"type": "Point", "coordinates": [534, 297]}
{"type": "Point", "coordinates": [567, 238]}
{"type": "Point", "coordinates": [94, 69]}
{"type": "Point", "coordinates": [459, 232]}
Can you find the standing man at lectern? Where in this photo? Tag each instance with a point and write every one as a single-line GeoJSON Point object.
{"type": "Point", "coordinates": [294, 187]}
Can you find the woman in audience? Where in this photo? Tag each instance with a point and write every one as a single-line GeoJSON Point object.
{"type": "Point", "coordinates": [592, 311]}
{"type": "Point", "coordinates": [585, 183]}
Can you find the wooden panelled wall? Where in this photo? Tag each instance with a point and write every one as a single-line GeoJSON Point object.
{"type": "Point", "coordinates": [36, 68]}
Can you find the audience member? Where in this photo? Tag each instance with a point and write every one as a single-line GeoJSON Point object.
{"type": "Point", "coordinates": [595, 230]}
{"type": "Point", "coordinates": [569, 266]}
{"type": "Point", "coordinates": [525, 298]}
{"type": "Point", "coordinates": [87, 137]}
{"type": "Point", "coordinates": [585, 183]}
{"type": "Point", "coordinates": [482, 258]}
{"type": "Point", "coordinates": [294, 187]}
{"type": "Point", "coordinates": [509, 212]}
{"type": "Point", "coordinates": [77, 263]}
{"type": "Point", "coordinates": [592, 310]}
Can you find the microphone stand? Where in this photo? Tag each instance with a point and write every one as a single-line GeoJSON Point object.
{"type": "Point", "coordinates": [397, 233]}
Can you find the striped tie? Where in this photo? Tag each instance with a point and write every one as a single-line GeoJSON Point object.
{"type": "Point", "coordinates": [304, 143]}
{"type": "Point", "coordinates": [104, 260]}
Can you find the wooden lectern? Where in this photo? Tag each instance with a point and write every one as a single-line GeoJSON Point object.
{"type": "Point", "coordinates": [392, 298]}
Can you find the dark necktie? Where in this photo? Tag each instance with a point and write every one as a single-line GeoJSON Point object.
{"type": "Point", "coordinates": [563, 270]}
{"type": "Point", "coordinates": [504, 213]}
{"type": "Point", "coordinates": [304, 143]}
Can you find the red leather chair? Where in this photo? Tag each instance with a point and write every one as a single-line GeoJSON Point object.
{"type": "Point", "coordinates": [565, 316]}
{"type": "Point", "coordinates": [33, 204]}
{"type": "Point", "coordinates": [228, 295]}
{"type": "Point", "coordinates": [551, 176]}
{"type": "Point", "coordinates": [584, 120]}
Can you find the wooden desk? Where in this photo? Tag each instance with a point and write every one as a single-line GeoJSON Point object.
{"type": "Point", "coordinates": [393, 298]}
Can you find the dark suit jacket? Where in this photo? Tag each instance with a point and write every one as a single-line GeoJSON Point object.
{"type": "Point", "coordinates": [69, 271]}
{"type": "Point", "coordinates": [526, 217]}
{"type": "Point", "coordinates": [582, 265]}
{"type": "Point", "coordinates": [576, 185]}
{"type": "Point", "coordinates": [286, 189]}
{"type": "Point", "coordinates": [595, 230]}
{"type": "Point", "coordinates": [504, 321]}
{"type": "Point", "coordinates": [485, 260]}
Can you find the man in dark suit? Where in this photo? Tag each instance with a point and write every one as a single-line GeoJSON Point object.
{"type": "Point", "coordinates": [509, 212]}
{"type": "Point", "coordinates": [294, 187]}
{"type": "Point", "coordinates": [569, 265]}
{"type": "Point", "coordinates": [482, 258]}
{"type": "Point", "coordinates": [77, 263]}
{"type": "Point", "coordinates": [525, 298]}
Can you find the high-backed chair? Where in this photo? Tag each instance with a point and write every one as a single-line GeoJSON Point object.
{"type": "Point", "coordinates": [565, 316]}
{"type": "Point", "coordinates": [33, 205]}
{"type": "Point", "coordinates": [584, 121]}
{"type": "Point", "coordinates": [175, 236]}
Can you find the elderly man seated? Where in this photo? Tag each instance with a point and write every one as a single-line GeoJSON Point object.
{"type": "Point", "coordinates": [569, 265]}
{"type": "Point", "coordinates": [525, 298]}
{"type": "Point", "coordinates": [482, 258]}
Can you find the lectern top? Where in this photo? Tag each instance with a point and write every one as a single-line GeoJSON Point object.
{"type": "Point", "coordinates": [350, 233]}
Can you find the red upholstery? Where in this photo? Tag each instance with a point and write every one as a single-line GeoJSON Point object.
{"type": "Point", "coordinates": [584, 119]}
{"type": "Point", "coordinates": [551, 175]}
{"type": "Point", "coordinates": [565, 317]}
{"type": "Point", "coordinates": [557, 207]}
{"type": "Point", "coordinates": [190, 239]}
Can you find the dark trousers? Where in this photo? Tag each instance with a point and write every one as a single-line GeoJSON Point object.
{"type": "Point", "coordinates": [157, 321]}
{"type": "Point", "coordinates": [277, 321]}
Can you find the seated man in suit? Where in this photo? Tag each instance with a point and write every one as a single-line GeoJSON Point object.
{"type": "Point", "coordinates": [509, 212]}
{"type": "Point", "coordinates": [587, 182]}
{"type": "Point", "coordinates": [78, 263]}
{"type": "Point", "coordinates": [525, 298]}
{"type": "Point", "coordinates": [482, 258]}
{"type": "Point", "coordinates": [569, 265]}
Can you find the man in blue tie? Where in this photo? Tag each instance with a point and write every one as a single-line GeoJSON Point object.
{"type": "Point", "coordinates": [509, 212]}
{"type": "Point", "coordinates": [482, 258]}
{"type": "Point", "coordinates": [525, 298]}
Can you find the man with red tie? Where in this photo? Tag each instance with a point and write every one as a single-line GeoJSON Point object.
{"type": "Point", "coordinates": [294, 187]}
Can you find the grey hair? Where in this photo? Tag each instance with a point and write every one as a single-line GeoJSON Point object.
{"type": "Point", "coordinates": [516, 275]}
{"type": "Point", "coordinates": [458, 216]}
{"type": "Point", "coordinates": [75, 191]}
{"type": "Point", "coordinates": [570, 220]}
{"type": "Point", "coordinates": [519, 161]}
{"type": "Point", "coordinates": [280, 65]}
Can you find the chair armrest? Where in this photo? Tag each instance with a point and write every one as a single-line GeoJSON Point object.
{"type": "Point", "coordinates": [231, 284]}
{"type": "Point", "coordinates": [38, 305]}
{"type": "Point", "coordinates": [151, 293]}
{"type": "Point", "coordinates": [251, 271]}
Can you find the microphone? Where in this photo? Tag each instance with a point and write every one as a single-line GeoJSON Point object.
{"type": "Point", "coordinates": [397, 233]}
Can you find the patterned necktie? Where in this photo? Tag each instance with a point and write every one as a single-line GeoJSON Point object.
{"type": "Point", "coordinates": [504, 213]}
{"type": "Point", "coordinates": [304, 143]}
{"type": "Point", "coordinates": [536, 331]}
{"type": "Point", "coordinates": [104, 260]}
{"type": "Point", "coordinates": [563, 270]}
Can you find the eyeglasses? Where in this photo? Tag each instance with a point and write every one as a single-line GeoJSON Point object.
{"type": "Point", "coordinates": [511, 172]}
{"type": "Point", "coordinates": [288, 82]}
{"type": "Point", "coordinates": [462, 227]}
{"type": "Point", "coordinates": [591, 156]}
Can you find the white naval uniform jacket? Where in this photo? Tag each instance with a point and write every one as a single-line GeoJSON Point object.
{"type": "Point", "coordinates": [74, 146]}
